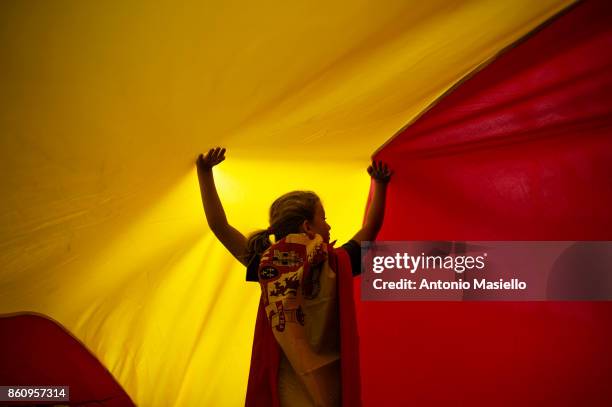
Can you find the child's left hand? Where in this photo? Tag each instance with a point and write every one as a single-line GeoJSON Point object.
{"type": "Point", "coordinates": [380, 172]}
{"type": "Point", "coordinates": [205, 163]}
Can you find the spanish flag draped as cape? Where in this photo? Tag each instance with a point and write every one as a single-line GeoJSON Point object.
{"type": "Point", "coordinates": [306, 304]}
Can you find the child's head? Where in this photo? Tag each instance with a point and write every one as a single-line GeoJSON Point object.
{"type": "Point", "coordinates": [294, 212]}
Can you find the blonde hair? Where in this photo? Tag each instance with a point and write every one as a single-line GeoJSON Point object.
{"type": "Point", "coordinates": [287, 214]}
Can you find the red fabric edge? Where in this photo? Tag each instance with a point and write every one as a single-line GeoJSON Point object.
{"type": "Point", "coordinates": [36, 350]}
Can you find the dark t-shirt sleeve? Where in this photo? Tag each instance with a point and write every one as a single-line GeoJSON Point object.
{"type": "Point", "coordinates": [354, 251]}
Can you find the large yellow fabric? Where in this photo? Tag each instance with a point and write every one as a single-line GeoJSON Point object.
{"type": "Point", "coordinates": [105, 106]}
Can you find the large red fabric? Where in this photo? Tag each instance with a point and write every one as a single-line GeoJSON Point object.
{"type": "Point", "coordinates": [521, 151]}
{"type": "Point", "coordinates": [262, 389]}
{"type": "Point", "coordinates": [36, 351]}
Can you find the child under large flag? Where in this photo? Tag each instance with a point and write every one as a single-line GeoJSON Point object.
{"type": "Point", "coordinates": [305, 348]}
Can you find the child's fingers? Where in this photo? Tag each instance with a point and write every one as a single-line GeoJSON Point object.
{"type": "Point", "coordinates": [219, 153]}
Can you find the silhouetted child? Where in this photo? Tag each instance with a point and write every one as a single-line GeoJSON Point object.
{"type": "Point", "coordinates": [303, 316]}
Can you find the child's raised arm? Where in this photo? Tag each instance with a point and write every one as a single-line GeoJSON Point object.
{"type": "Point", "coordinates": [231, 238]}
{"type": "Point", "coordinates": [381, 175]}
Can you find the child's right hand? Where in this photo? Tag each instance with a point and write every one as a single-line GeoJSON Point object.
{"type": "Point", "coordinates": [212, 158]}
{"type": "Point", "coordinates": [380, 172]}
